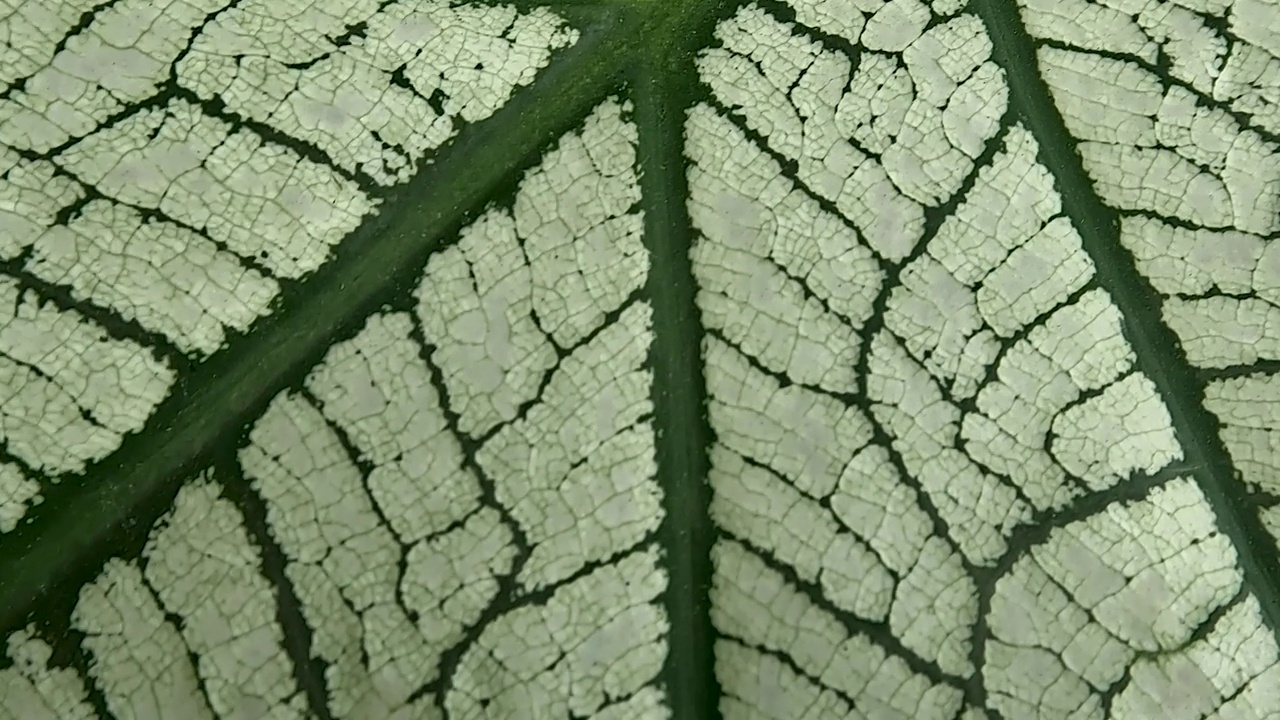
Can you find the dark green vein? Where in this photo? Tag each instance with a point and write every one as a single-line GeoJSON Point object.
{"type": "Point", "coordinates": [680, 421]}
{"type": "Point", "coordinates": [1160, 356]}
{"type": "Point", "coordinates": [309, 669]}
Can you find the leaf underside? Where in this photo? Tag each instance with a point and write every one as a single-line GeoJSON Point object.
{"type": "Point", "coordinates": [809, 359]}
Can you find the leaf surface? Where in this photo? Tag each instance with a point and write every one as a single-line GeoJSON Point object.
{"type": "Point", "coordinates": [831, 358]}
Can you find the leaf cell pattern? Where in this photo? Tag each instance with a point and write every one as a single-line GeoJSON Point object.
{"type": "Point", "coordinates": [920, 393]}
{"type": "Point", "coordinates": [945, 479]}
{"type": "Point", "coordinates": [382, 545]}
{"type": "Point", "coordinates": [166, 166]}
{"type": "Point", "coordinates": [1194, 171]}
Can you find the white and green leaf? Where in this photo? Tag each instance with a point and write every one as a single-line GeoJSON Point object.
{"type": "Point", "coordinates": [820, 359]}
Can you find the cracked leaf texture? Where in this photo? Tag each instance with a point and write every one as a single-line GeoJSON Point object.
{"type": "Point", "coordinates": [1194, 169]}
{"type": "Point", "coordinates": [458, 504]}
{"type": "Point", "coordinates": [948, 477]}
{"type": "Point", "coordinates": [942, 486]}
{"type": "Point", "coordinates": [168, 167]}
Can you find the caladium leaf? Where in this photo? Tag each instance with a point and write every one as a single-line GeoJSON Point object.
{"type": "Point", "coordinates": [819, 359]}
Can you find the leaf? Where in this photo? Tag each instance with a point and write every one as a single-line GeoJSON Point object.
{"type": "Point", "coordinates": [835, 358]}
